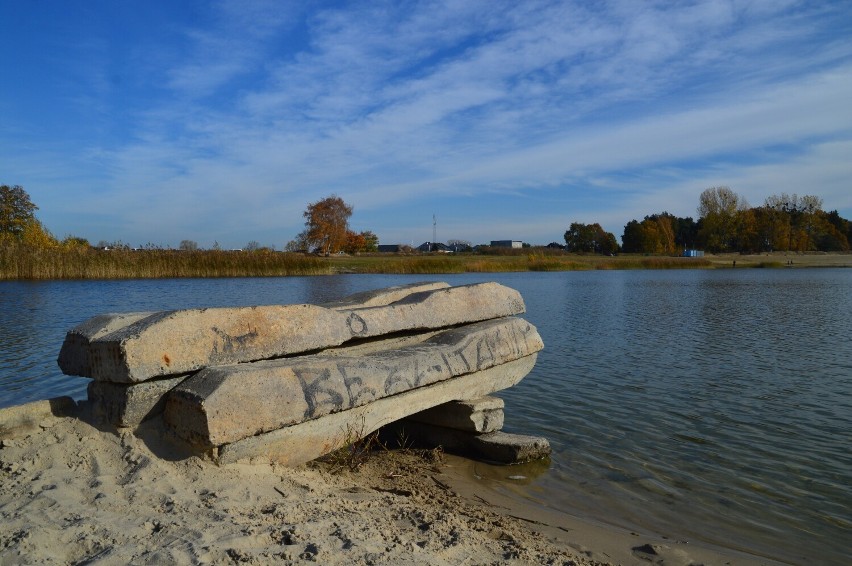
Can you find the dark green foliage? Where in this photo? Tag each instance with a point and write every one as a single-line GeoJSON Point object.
{"type": "Point", "coordinates": [590, 238]}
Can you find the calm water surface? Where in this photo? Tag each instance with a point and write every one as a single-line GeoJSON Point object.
{"type": "Point", "coordinates": [711, 406]}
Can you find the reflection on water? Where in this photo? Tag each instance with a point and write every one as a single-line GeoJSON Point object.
{"type": "Point", "coordinates": [703, 405]}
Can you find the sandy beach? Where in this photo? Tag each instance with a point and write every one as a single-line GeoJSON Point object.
{"type": "Point", "coordinates": [74, 491]}
{"type": "Point", "coordinates": [795, 260]}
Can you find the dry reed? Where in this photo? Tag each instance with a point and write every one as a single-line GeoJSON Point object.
{"type": "Point", "coordinates": [23, 262]}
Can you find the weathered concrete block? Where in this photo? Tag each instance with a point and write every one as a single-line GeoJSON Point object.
{"type": "Point", "coordinates": [498, 446]}
{"type": "Point", "coordinates": [508, 448]}
{"type": "Point", "coordinates": [380, 344]}
{"type": "Point", "coordinates": [127, 405]}
{"type": "Point", "coordinates": [176, 342]}
{"type": "Point", "coordinates": [74, 358]}
{"type": "Point", "coordinates": [385, 296]}
{"type": "Point", "coordinates": [221, 405]}
{"type": "Point", "coordinates": [300, 443]}
{"type": "Point", "coordinates": [440, 308]}
{"type": "Point", "coordinates": [478, 415]}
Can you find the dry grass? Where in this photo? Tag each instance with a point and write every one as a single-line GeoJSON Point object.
{"type": "Point", "coordinates": [528, 261]}
{"type": "Point", "coordinates": [355, 449]}
{"type": "Point", "coordinates": [354, 452]}
{"type": "Point", "coordinates": [21, 262]}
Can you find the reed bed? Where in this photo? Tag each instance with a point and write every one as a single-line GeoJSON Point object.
{"type": "Point", "coordinates": [508, 262]}
{"type": "Point", "coordinates": [21, 262]}
{"type": "Point", "coordinates": [652, 262]}
{"type": "Point", "coordinates": [406, 265]}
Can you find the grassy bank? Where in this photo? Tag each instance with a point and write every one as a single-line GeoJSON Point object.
{"type": "Point", "coordinates": [474, 263]}
{"type": "Point", "coordinates": [533, 260]}
{"type": "Point", "coordinates": [84, 263]}
{"type": "Point", "coordinates": [781, 260]}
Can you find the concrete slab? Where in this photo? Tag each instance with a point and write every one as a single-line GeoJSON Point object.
{"type": "Point", "coordinates": [127, 405]}
{"type": "Point", "coordinates": [478, 415]}
{"type": "Point", "coordinates": [224, 404]}
{"type": "Point", "coordinates": [508, 448]}
{"type": "Point", "coordinates": [176, 342]}
{"type": "Point", "coordinates": [74, 356]}
{"type": "Point", "coordinates": [300, 443]}
{"type": "Point", "coordinates": [380, 297]}
{"type": "Point", "coordinates": [440, 308]}
{"type": "Point", "coordinates": [498, 447]}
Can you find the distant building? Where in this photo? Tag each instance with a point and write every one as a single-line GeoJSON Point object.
{"type": "Point", "coordinates": [506, 244]}
{"type": "Point", "coordinates": [434, 247]}
{"type": "Point", "coordinates": [693, 253]}
{"type": "Point", "coordinates": [459, 247]}
{"type": "Point", "coordinates": [390, 248]}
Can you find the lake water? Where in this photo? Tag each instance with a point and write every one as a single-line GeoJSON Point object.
{"type": "Point", "coordinates": [710, 406]}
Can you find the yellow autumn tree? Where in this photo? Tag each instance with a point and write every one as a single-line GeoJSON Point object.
{"type": "Point", "coordinates": [717, 209]}
{"type": "Point", "coordinates": [36, 235]}
{"type": "Point", "coordinates": [327, 224]}
{"type": "Point", "coordinates": [18, 224]}
{"type": "Point", "coordinates": [17, 212]}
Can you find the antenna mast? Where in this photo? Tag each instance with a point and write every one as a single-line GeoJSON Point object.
{"type": "Point", "coordinates": [434, 231]}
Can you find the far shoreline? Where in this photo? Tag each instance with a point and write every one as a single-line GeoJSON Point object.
{"type": "Point", "coordinates": [786, 260]}
{"type": "Point", "coordinates": [57, 265]}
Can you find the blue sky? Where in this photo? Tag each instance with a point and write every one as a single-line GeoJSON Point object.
{"type": "Point", "coordinates": [159, 121]}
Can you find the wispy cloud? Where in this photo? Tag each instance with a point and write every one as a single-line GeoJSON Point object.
{"type": "Point", "coordinates": [497, 107]}
{"type": "Point", "coordinates": [234, 42]}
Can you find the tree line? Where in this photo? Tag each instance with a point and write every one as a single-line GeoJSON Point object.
{"type": "Point", "coordinates": [326, 229]}
{"type": "Point", "coordinates": [726, 223]}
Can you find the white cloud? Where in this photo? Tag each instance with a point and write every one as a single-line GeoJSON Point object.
{"type": "Point", "coordinates": [266, 109]}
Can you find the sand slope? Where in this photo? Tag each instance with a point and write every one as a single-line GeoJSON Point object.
{"type": "Point", "coordinates": [76, 492]}
{"type": "Point", "coordinates": [72, 493]}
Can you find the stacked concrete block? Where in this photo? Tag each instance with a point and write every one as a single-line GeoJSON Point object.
{"type": "Point", "coordinates": [311, 439]}
{"type": "Point", "coordinates": [472, 428]}
{"type": "Point", "coordinates": [127, 405]}
{"type": "Point", "coordinates": [484, 414]}
{"type": "Point", "coordinates": [266, 381]}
